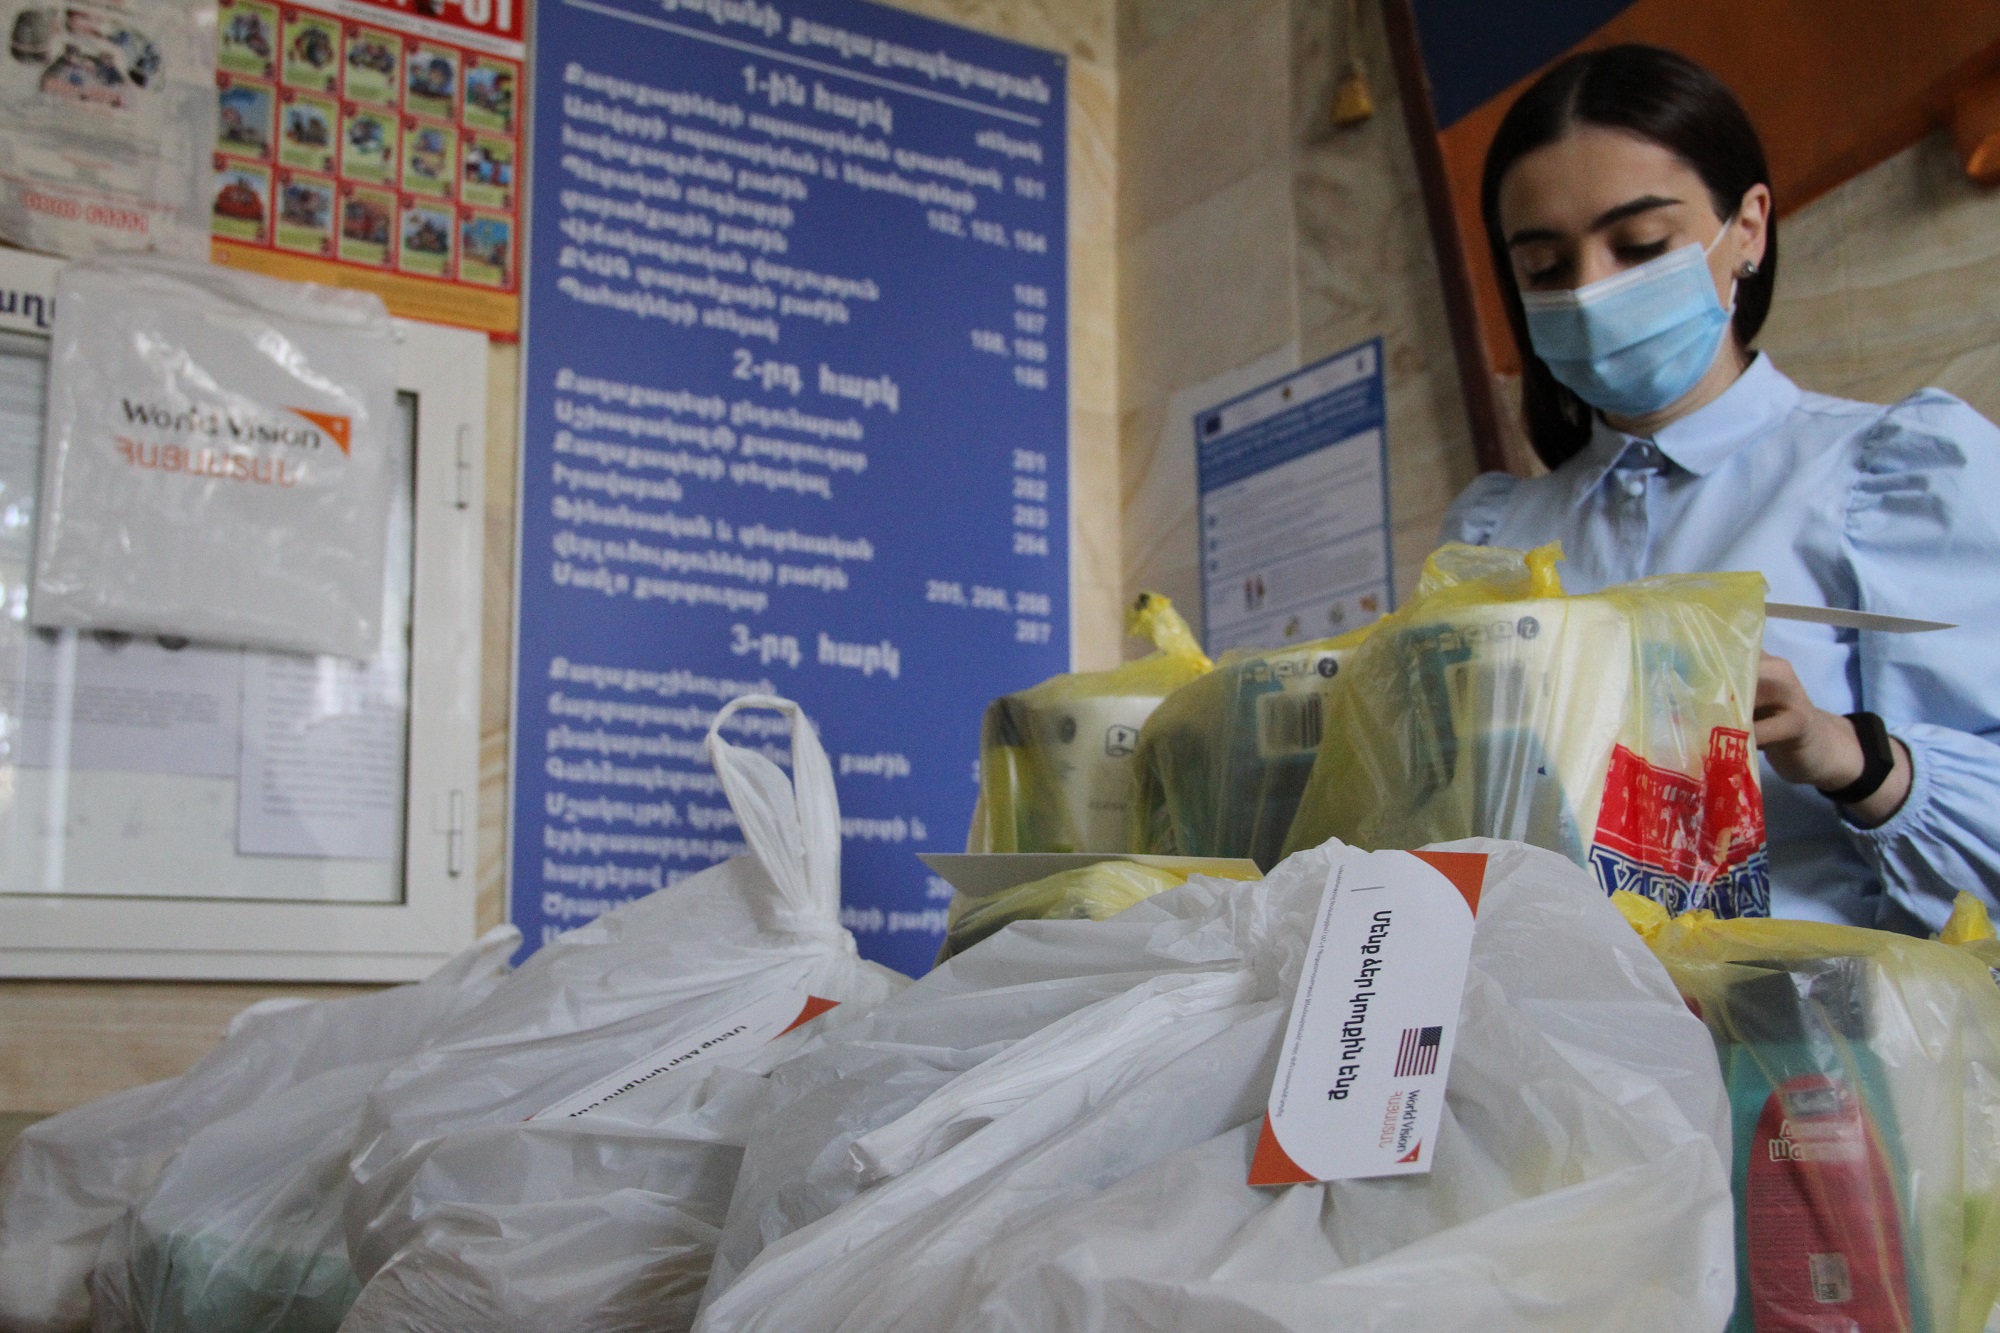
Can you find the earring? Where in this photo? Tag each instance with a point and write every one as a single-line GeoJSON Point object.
{"type": "Point", "coordinates": [1748, 269]}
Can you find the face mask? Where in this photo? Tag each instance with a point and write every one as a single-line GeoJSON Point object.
{"type": "Point", "coordinates": [1636, 341]}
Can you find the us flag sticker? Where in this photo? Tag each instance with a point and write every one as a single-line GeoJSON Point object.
{"type": "Point", "coordinates": [1360, 1085]}
{"type": "Point", "coordinates": [1418, 1053]}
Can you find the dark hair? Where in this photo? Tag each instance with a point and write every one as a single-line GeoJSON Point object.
{"type": "Point", "coordinates": [1659, 96]}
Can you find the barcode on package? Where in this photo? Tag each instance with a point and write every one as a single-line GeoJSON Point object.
{"type": "Point", "coordinates": [1831, 1282]}
{"type": "Point", "coordinates": [1290, 723]}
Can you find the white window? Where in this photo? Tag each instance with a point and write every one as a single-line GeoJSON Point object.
{"type": "Point", "coordinates": [177, 810]}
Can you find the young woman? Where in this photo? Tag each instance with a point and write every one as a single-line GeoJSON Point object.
{"type": "Point", "coordinates": [1628, 208]}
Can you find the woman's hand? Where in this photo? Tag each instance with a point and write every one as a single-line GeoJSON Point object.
{"type": "Point", "coordinates": [1809, 745]}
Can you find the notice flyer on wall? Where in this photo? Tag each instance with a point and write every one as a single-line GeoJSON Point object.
{"type": "Point", "coordinates": [105, 121]}
{"type": "Point", "coordinates": [374, 144]}
{"type": "Point", "coordinates": [795, 422]}
{"type": "Point", "coordinates": [1294, 485]}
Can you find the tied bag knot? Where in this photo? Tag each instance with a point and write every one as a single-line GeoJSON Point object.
{"type": "Point", "coordinates": [792, 824]}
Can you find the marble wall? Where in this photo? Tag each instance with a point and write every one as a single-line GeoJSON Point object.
{"type": "Point", "coordinates": [64, 1042]}
{"type": "Point", "coordinates": [1205, 248]}
{"type": "Point", "coordinates": [1892, 282]}
{"type": "Point", "coordinates": [1251, 229]}
{"type": "Point", "coordinates": [1366, 267]}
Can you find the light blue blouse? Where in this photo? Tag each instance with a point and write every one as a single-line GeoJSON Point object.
{"type": "Point", "coordinates": [1836, 503]}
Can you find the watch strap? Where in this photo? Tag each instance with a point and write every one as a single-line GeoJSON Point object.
{"type": "Point", "coordinates": [1878, 760]}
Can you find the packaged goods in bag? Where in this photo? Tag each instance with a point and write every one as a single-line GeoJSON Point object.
{"type": "Point", "coordinates": [1613, 728]}
{"type": "Point", "coordinates": [70, 1180]}
{"type": "Point", "coordinates": [1223, 760]}
{"type": "Point", "coordinates": [562, 1156]}
{"type": "Point", "coordinates": [1863, 1071]}
{"type": "Point", "coordinates": [1055, 761]}
{"type": "Point", "coordinates": [993, 891]}
{"type": "Point", "coordinates": [1056, 1130]}
{"type": "Point", "coordinates": [1088, 893]}
{"type": "Point", "coordinates": [605, 1221]}
{"type": "Point", "coordinates": [242, 1234]}
{"type": "Point", "coordinates": [218, 460]}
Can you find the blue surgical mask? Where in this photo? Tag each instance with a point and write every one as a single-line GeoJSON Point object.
{"type": "Point", "coordinates": [1634, 342]}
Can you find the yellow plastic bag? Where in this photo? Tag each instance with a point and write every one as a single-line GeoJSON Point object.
{"type": "Point", "coordinates": [1055, 761]}
{"type": "Point", "coordinates": [1092, 892]}
{"type": "Point", "coordinates": [1223, 760]}
{"type": "Point", "coordinates": [1863, 1071]}
{"type": "Point", "coordinates": [1971, 929]}
{"type": "Point", "coordinates": [1613, 728]}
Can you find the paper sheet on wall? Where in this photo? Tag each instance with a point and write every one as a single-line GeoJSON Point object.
{"type": "Point", "coordinates": [133, 706]}
{"type": "Point", "coordinates": [725, 428]}
{"type": "Point", "coordinates": [322, 758]}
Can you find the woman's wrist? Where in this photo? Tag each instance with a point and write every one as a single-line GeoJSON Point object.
{"type": "Point", "coordinates": [1880, 806]}
{"type": "Point", "coordinates": [1838, 760]}
{"type": "Point", "coordinates": [1831, 754]}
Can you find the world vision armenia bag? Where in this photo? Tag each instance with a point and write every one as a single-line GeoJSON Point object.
{"type": "Point", "coordinates": [219, 458]}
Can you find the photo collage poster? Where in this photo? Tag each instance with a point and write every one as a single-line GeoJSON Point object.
{"type": "Point", "coordinates": [387, 145]}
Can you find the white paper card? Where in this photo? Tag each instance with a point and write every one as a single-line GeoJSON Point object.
{"type": "Point", "coordinates": [1360, 1084]}
{"type": "Point", "coordinates": [764, 1019]}
{"type": "Point", "coordinates": [322, 761]}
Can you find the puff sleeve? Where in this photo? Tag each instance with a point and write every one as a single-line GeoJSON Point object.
{"type": "Point", "coordinates": [1922, 539]}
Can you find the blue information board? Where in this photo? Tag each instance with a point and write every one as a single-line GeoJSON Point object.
{"type": "Point", "coordinates": [1294, 483]}
{"type": "Point", "coordinates": [795, 421]}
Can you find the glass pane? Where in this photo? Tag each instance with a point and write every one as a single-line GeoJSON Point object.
{"type": "Point", "coordinates": [156, 768]}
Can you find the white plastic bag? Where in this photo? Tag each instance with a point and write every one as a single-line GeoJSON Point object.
{"type": "Point", "coordinates": [110, 113]}
{"type": "Point", "coordinates": [242, 1233]}
{"type": "Point", "coordinates": [608, 1221]}
{"type": "Point", "coordinates": [217, 461]}
{"type": "Point", "coordinates": [70, 1178]}
{"type": "Point", "coordinates": [470, 1212]}
{"type": "Point", "coordinates": [1053, 1131]}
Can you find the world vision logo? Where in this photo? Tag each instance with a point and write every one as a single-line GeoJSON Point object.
{"type": "Point", "coordinates": [340, 428]}
{"type": "Point", "coordinates": [230, 446]}
{"type": "Point", "coordinates": [239, 429]}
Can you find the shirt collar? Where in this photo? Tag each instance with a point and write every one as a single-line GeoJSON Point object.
{"type": "Point", "coordinates": [1704, 439]}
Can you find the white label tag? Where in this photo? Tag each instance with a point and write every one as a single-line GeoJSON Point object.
{"type": "Point", "coordinates": [1360, 1085]}
{"type": "Point", "coordinates": [763, 1019]}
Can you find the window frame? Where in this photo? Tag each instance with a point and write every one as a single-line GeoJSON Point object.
{"type": "Point", "coordinates": [145, 938]}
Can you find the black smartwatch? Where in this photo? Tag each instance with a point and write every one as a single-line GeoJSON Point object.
{"type": "Point", "coordinates": [1878, 760]}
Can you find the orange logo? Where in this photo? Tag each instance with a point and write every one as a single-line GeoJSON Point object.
{"type": "Point", "coordinates": [338, 427]}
